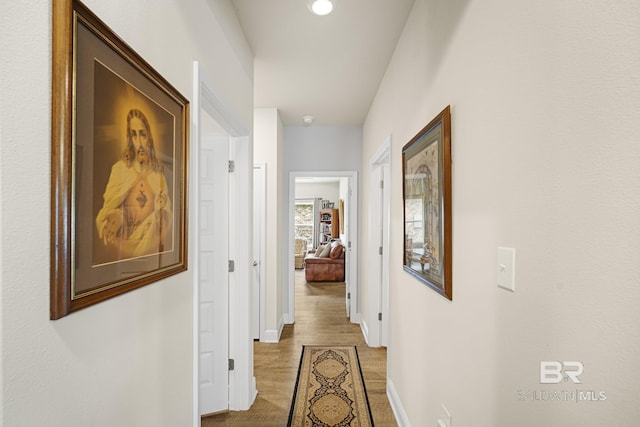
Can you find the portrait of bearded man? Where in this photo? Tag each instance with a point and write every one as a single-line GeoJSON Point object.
{"type": "Point", "coordinates": [136, 217]}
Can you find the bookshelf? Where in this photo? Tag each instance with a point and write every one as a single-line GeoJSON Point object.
{"type": "Point", "coordinates": [329, 225]}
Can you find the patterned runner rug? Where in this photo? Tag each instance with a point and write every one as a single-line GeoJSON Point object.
{"type": "Point", "coordinates": [330, 389]}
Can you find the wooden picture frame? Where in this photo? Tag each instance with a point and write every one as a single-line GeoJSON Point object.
{"type": "Point", "coordinates": [426, 170]}
{"type": "Point", "coordinates": [119, 166]}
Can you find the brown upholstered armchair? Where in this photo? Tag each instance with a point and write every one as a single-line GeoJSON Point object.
{"type": "Point", "coordinates": [299, 252]}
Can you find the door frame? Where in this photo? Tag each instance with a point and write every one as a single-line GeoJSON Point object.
{"type": "Point", "coordinates": [351, 273]}
{"type": "Point", "coordinates": [260, 169]}
{"type": "Point", "coordinates": [377, 332]}
{"type": "Point", "coordinates": [207, 97]}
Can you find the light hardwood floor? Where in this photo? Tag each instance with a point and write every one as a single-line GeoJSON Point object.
{"type": "Point", "coordinates": [320, 319]}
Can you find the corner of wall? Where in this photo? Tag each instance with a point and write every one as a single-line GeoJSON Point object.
{"type": "Point", "coordinates": [273, 335]}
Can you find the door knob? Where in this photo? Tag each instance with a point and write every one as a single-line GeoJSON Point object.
{"type": "Point", "coordinates": [255, 263]}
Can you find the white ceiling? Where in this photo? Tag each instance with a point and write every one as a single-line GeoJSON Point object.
{"type": "Point", "coordinates": [328, 67]}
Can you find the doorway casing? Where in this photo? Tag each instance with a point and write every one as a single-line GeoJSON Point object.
{"type": "Point", "coordinates": [375, 327]}
{"type": "Point", "coordinates": [259, 251]}
{"type": "Point", "coordinates": [208, 99]}
{"type": "Point", "coordinates": [351, 273]}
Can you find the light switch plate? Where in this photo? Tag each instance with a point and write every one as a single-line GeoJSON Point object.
{"type": "Point", "coordinates": [507, 268]}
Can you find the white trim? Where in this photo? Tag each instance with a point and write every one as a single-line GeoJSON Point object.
{"type": "Point", "coordinates": [352, 267]}
{"type": "Point", "coordinates": [194, 243]}
{"type": "Point", "coordinates": [396, 405]}
{"type": "Point", "coordinates": [356, 318]}
{"type": "Point", "coordinates": [383, 154]}
{"type": "Point", "coordinates": [254, 388]}
{"type": "Point", "coordinates": [365, 331]}
{"type": "Point", "coordinates": [280, 327]}
{"type": "Point", "coordinates": [270, 336]}
{"type": "Point", "coordinates": [220, 109]}
{"type": "Point", "coordinates": [242, 389]}
{"type": "Point", "coordinates": [262, 168]}
{"type": "Point", "coordinates": [374, 259]}
{"type": "Point", "coordinates": [379, 273]}
{"type": "Point", "coordinates": [241, 250]}
{"type": "Point", "coordinates": [386, 253]}
{"type": "Point", "coordinates": [273, 335]}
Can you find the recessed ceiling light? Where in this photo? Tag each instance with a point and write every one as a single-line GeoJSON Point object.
{"type": "Point", "coordinates": [307, 120]}
{"type": "Point", "coordinates": [321, 7]}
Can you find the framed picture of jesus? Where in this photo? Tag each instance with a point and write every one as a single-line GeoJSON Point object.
{"type": "Point", "coordinates": [119, 171]}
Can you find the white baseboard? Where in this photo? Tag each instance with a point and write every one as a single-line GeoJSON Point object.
{"type": "Point", "coordinates": [254, 391]}
{"type": "Point", "coordinates": [355, 318]}
{"type": "Point", "coordinates": [272, 335]}
{"type": "Point", "coordinates": [396, 405]}
{"type": "Point", "coordinates": [365, 331]}
{"type": "Point", "coordinates": [288, 319]}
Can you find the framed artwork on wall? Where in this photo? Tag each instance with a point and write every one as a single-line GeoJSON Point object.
{"type": "Point", "coordinates": [426, 169]}
{"type": "Point", "coordinates": [119, 166]}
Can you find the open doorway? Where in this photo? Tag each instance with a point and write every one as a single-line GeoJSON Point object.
{"type": "Point", "coordinates": [313, 195]}
{"type": "Point", "coordinates": [324, 189]}
{"type": "Point", "coordinates": [221, 220]}
{"type": "Point", "coordinates": [376, 322]}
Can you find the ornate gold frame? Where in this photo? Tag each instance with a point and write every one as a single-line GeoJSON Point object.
{"type": "Point", "coordinates": [83, 46]}
{"type": "Point", "coordinates": [426, 170]}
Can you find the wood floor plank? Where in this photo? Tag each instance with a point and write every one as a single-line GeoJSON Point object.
{"type": "Point", "coordinates": [320, 320]}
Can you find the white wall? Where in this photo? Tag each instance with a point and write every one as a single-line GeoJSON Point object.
{"type": "Point", "coordinates": [268, 149]}
{"type": "Point", "coordinates": [545, 101]}
{"type": "Point", "coordinates": [319, 148]}
{"type": "Point", "coordinates": [322, 148]}
{"type": "Point", "coordinates": [324, 190]}
{"type": "Point", "coordinates": [126, 361]}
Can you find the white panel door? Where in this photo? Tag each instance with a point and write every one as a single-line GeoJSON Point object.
{"type": "Point", "coordinates": [385, 219]}
{"type": "Point", "coordinates": [347, 255]}
{"type": "Point", "coordinates": [213, 271]}
{"type": "Point", "coordinates": [259, 209]}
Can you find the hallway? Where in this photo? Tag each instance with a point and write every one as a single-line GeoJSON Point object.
{"type": "Point", "coordinates": [320, 319]}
